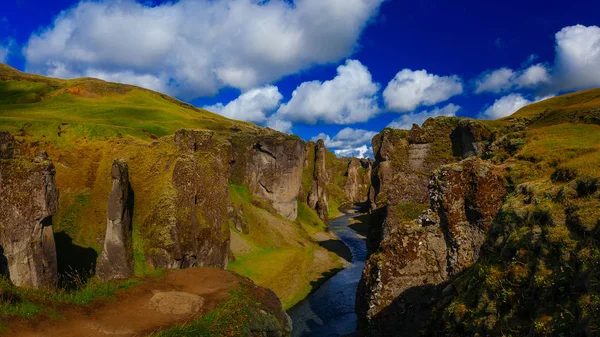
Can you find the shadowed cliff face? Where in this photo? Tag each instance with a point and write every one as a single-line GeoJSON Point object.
{"type": "Point", "coordinates": [420, 254]}
{"type": "Point", "coordinates": [28, 199]}
{"type": "Point", "coordinates": [460, 201]}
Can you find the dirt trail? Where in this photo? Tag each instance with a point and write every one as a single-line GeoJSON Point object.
{"type": "Point", "coordinates": [129, 314]}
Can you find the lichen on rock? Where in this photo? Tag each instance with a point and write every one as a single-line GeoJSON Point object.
{"type": "Point", "coordinates": [28, 199]}
{"type": "Point", "coordinates": [116, 260]}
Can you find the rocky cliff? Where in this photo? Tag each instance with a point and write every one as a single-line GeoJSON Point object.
{"type": "Point", "coordinates": [116, 260]}
{"type": "Point", "coordinates": [329, 182]}
{"type": "Point", "coordinates": [508, 242]}
{"type": "Point", "coordinates": [271, 165]}
{"type": "Point", "coordinates": [399, 280]}
{"type": "Point", "coordinates": [188, 225]}
{"type": "Point", "coordinates": [358, 180]}
{"type": "Point", "coordinates": [319, 193]}
{"type": "Point", "coordinates": [28, 200]}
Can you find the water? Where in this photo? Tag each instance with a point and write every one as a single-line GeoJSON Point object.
{"type": "Point", "coordinates": [329, 311]}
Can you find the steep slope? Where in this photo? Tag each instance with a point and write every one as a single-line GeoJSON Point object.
{"type": "Point", "coordinates": [183, 164]}
{"type": "Point", "coordinates": [511, 253]}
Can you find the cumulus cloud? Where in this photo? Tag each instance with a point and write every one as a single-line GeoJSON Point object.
{"type": "Point", "coordinates": [3, 54]}
{"type": "Point", "coordinates": [576, 66]}
{"type": "Point", "coordinates": [251, 106]}
{"type": "Point", "coordinates": [406, 121]}
{"type": "Point", "coordinates": [577, 62]}
{"type": "Point", "coordinates": [279, 124]}
{"type": "Point", "coordinates": [410, 89]}
{"type": "Point", "coordinates": [505, 106]}
{"type": "Point", "coordinates": [5, 50]}
{"type": "Point", "coordinates": [193, 48]}
{"type": "Point", "coordinates": [505, 79]}
{"type": "Point", "coordinates": [349, 142]}
{"type": "Point", "coordinates": [350, 97]}
{"type": "Point", "coordinates": [359, 152]}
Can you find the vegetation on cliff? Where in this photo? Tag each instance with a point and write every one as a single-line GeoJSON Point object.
{"type": "Point", "coordinates": [537, 271]}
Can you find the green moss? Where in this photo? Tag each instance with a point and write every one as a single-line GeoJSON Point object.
{"type": "Point", "coordinates": [309, 216]}
{"type": "Point", "coordinates": [236, 316]}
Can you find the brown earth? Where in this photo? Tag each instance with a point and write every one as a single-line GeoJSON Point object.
{"type": "Point", "coordinates": [130, 314]}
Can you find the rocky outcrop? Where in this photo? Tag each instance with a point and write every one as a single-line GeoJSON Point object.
{"type": "Point", "coordinates": [28, 199]}
{"type": "Point", "coordinates": [116, 260]}
{"type": "Point", "coordinates": [358, 179]}
{"type": "Point", "coordinates": [318, 194]}
{"type": "Point", "coordinates": [400, 281]}
{"type": "Point", "coordinates": [271, 166]}
{"type": "Point", "coordinates": [188, 226]}
{"type": "Point", "coordinates": [238, 218]}
{"type": "Point", "coordinates": [405, 159]}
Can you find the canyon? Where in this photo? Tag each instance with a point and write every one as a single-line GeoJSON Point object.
{"type": "Point", "coordinates": [466, 217]}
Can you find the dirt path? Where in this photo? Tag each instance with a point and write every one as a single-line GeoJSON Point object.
{"type": "Point", "coordinates": [130, 314]}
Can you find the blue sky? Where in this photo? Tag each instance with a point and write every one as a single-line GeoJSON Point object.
{"type": "Point", "coordinates": [356, 66]}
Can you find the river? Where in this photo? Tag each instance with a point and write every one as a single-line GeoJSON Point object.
{"type": "Point", "coordinates": [329, 311]}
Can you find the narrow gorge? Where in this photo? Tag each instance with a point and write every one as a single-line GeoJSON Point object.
{"type": "Point", "coordinates": [456, 227]}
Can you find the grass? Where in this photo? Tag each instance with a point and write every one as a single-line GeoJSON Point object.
{"type": "Point", "coordinates": [29, 303]}
{"type": "Point", "coordinates": [236, 316]}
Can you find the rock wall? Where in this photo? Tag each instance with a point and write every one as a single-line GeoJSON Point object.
{"type": "Point", "coordinates": [271, 166]}
{"type": "Point", "coordinates": [28, 199]}
{"type": "Point", "coordinates": [412, 258]}
{"type": "Point", "coordinates": [188, 226]}
{"type": "Point", "coordinates": [399, 281]}
{"type": "Point", "coordinates": [359, 180]}
{"type": "Point", "coordinates": [319, 194]}
{"type": "Point", "coordinates": [116, 260]}
{"type": "Point", "coordinates": [405, 160]}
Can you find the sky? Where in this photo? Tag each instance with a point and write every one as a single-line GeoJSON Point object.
{"type": "Point", "coordinates": [340, 70]}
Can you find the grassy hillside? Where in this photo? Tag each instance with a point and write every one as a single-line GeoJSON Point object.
{"type": "Point", "coordinates": [540, 274]}
{"type": "Point", "coordinates": [65, 109]}
{"type": "Point", "coordinates": [84, 124]}
{"type": "Point", "coordinates": [278, 253]}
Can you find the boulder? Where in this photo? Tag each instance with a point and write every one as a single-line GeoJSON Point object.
{"type": "Point", "coordinates": [116, 260]}
{"type": "Point", "coordinates": [176, 303]}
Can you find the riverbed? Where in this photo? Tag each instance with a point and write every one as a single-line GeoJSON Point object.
{"type": "Point", "coordinates": [329, 311]}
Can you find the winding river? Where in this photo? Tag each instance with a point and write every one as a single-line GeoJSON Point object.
{"type": "Point", "coordinates": [329, 311]}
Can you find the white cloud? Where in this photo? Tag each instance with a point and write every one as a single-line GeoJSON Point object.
{"type": "Point", "coordinates": [349, 142]}
{"type": "Point", "coordinates": [359, 152]}
{"type": "Point", "coordinates": [495, 81]}
{"type": "Point", "coordinates": [406, 121]}
{"type": "Point", "coordinates": [533, 76]}
{"type": "Point", "coordinates": [410, 89]}
{"type": "Point", "coordinates": [505, 79]}
{"type": "Point", "coordinates": [193, 48]}
{"type": "Point", "coordinates": [346, 138]}
{"type": "Point", "coordinates": [5, 50]}
{"type": "Point", "coordinates": [577, 61]}
{"type": "Point", "coordinates": [350, 97]}
{"type": "Point", "coordinates": [279, 124]}
{"type": "Point", "coordinates": [576, 66]}
{"type": "Point", "coordinates": [3, 54]}
{"type": "Point", "coordinates": [505, 106]}
{"type": "Point", "coordinates": [251, 106]}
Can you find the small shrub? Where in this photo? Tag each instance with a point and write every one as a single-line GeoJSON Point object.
{"type": "Point", "coordinates": [563, 174]}
{"type": "Point", "coordinates": [587, 186]}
